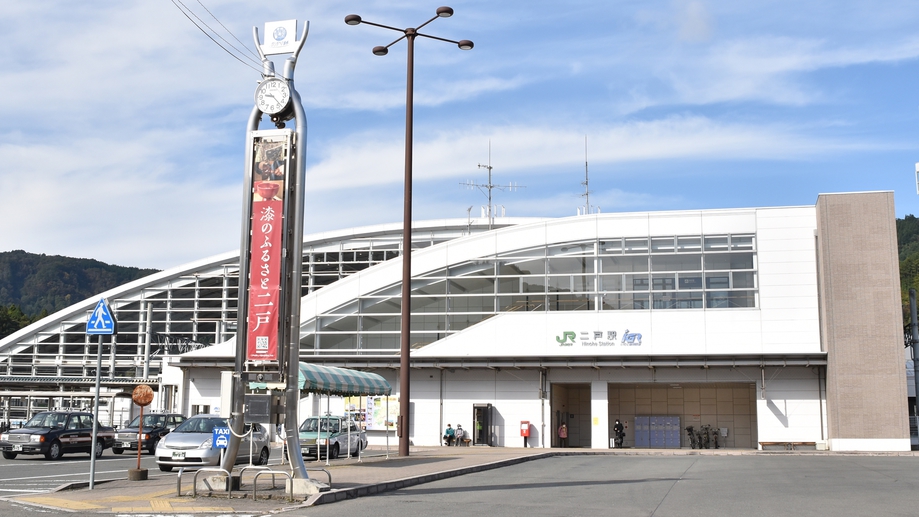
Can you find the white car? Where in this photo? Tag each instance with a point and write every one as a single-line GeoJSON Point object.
{"type": "Point", "coordinates": [191, 444]}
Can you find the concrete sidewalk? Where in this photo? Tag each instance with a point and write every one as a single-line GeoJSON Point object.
{"type": "Point", "coordinates": [374, 474]}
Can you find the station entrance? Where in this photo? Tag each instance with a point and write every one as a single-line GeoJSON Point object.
{"type": "Point", "coordinates": [571, 406]}
{"type": "Point", "coordinates": [728, 408]}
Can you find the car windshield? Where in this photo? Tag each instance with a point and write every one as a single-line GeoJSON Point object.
{"type": "Point", "coordinates": [201, 425]}
{"type": "Point", "coordinates": [311, 425]}
{"type": "Point", "coordinates": [50, 420]}
{"type": "Point", "coordinates": [149, 421]}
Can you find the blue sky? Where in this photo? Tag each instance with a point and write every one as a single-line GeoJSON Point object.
{"type": "Point", "coordinates": [123, 126]}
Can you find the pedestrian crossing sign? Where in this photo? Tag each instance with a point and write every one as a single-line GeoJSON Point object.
{"type": "Point", "coordinates": [101, 322]}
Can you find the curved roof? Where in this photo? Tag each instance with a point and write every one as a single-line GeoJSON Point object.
{"type": "Point", "coordinates": [425, 233]}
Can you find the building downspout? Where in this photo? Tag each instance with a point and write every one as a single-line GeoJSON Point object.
{"type": "Point", "coordinates": [820, 397]}
{"type": "Point", "coordinates": [441, 403]}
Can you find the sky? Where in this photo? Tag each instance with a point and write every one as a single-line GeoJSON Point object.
{"type": "Point", "coordinates": [123, 125]}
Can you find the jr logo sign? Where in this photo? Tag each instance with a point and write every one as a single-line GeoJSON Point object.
{"type": "Point", "coordinates": [566, 339]}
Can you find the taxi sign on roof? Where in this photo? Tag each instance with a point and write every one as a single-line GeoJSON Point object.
{"type": "Point", "coordinates": [101, 321]}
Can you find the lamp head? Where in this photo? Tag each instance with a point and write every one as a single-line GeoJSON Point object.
{"type": "Point", "coordinates": [353, 19]}
{"type": "Point", "coordinates": [445, 12]}
{"type": "Point", "coordinates": [465, 44]}
{"type": "Point", "coordinates": [380, 51]}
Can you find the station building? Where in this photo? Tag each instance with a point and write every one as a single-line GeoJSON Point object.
{"type": "Point", "coordinates": [772, 326]}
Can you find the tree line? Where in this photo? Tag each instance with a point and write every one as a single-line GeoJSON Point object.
{"type": "Point", "coordinates": [33, 286]}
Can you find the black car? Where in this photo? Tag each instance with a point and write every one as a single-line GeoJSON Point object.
{"type": "Point", "coordinates": [156, 425]}
{"type": "Point", "coordinates": [54, 433]}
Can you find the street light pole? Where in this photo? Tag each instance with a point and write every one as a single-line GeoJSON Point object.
{"type": "Point", "coordinates": [409, 35]}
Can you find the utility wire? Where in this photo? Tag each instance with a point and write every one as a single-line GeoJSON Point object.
{"type": "Point", "coordinates": [249, 50]}
{"type": "Point", "coordinates": [234, 56]}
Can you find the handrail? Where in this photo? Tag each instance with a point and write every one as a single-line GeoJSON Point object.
{"type": "Point", "coordinates": [290, 491]}
{"type": "Point", "coordinates": [194, 486]}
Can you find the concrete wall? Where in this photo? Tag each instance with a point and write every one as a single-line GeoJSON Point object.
{"type": "Point", "coordinates": [862, 322]}
{"type": "Point", "coordinates": [791, 408]}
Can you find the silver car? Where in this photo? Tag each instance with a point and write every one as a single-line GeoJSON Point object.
{"type": "Point", "coordinates": [191, 444]}
{"type": "Point", "coordinates": [332, 435]}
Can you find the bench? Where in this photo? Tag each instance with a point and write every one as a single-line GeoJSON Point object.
{"type": "Point", "coordinates": [788, 446]}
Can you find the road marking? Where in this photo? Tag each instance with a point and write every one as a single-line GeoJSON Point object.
{"type": "Point", "coordinates": [62, 503]}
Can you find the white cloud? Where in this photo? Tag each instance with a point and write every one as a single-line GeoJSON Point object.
{"type": "Point", "coordinates": [124, 126]}
{"type": "Point", "coordinates": [694, 21]}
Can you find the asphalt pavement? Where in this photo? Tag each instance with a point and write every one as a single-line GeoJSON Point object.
{"type": "Point", "coordinates": [377, 472]}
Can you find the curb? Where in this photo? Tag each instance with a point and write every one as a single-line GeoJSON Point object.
{"type": "Point", "coordinates": [376, 488]}
{"type": "Point", "coordinates": [333, 496]}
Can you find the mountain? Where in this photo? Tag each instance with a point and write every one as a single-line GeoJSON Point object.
{"type": "Point", "coordinates": [33, 286]}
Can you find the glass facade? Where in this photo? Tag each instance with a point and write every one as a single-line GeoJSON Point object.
{"type": "Point", "coordinates": [655, 273]}
{"type": "Point", "coordinates": [196, 305]}
{"type": "Point", "coordinates": [193, 307]}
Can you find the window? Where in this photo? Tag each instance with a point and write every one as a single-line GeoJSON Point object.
{"type": "Point", "coordinates": [634, 245]}
{"type": "Point", "coordinates": [197, 409]}
{"type": "Point", "coordinates": [623, 264]}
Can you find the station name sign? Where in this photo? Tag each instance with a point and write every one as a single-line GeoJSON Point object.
{"type": "Point", "coordinates": [599, 338]}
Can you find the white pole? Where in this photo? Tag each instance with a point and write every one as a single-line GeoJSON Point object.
{"type": "Point", "coordinates": [92, 450]}
{"type": "Point", "coordinates": [386, 426]}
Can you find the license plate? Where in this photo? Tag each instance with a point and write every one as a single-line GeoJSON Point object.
{"type": "Point", "coordinates": [17, 447]}
{"type": "Point", "coordinates": [178, 455]}
{"type": "Point", "coordinates": [126, 445]}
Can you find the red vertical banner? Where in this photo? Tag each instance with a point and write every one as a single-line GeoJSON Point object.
{"type": "Point", "coordinates": [265, 280]}
{"type": "Point", "coordinates": [265, 249]}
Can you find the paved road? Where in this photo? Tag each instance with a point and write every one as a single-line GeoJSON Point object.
{"type": "Point", "coordinates": [35, 474]}
{"type": "Point", "coordinates": [677, 486]}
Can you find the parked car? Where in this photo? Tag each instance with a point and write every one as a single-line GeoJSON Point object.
{"type": "Point", "coordinates": [335, 434]}
{"type": "Point", "coordinates": [156, 426]}
{"type": "Point", "coordinates": [191, 444]}
{"type": "Point", "coordinates": [54, 433]}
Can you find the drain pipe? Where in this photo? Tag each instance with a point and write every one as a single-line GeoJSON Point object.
{"type": "Point", "coordinates": [914, 333]}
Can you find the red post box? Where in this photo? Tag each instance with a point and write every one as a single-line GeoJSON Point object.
{"type": "Point", "coordinates": [525, 428]}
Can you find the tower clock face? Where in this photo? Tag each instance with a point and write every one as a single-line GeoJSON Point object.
{"type": "Point", "coordinates": [272, 96]}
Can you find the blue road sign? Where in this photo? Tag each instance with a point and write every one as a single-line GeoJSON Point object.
{"type": "Point", "coordinates": [221, 437]}
{"type": "Point", "coordinates": [101, 321]}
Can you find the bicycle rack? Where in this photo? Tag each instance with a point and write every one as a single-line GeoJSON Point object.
{"type": "Point", "coordinates": [256, 467]}
{"type": "Point", "coordinates": [327, 473]}
{"type": "Point", "coordinates": [194, 486]}
{"type": "Point", "coordinates": [290, 492]}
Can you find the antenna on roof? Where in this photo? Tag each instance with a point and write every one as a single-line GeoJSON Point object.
{"type": "Point", "coordinates": [488, 187]}
{"type": "Point", "coordinates": [586, 183]}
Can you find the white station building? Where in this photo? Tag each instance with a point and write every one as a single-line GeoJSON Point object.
{"type": "Point", "coordinates": [772, 326]}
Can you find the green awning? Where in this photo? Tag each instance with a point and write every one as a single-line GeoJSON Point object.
{"type": "Point", "coordinates": [337, 381]}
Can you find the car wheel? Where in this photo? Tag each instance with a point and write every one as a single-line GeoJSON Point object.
{"type": "Point", "coordinates": [333, 454]}
{"type": "Point", "coordinates": [117, 451]}
{"type": "Point", "coordinates": [54, 451]}
{"type": "Point", "coordinates": [9, 455]}
{"type": "Point", "coordinates": [100, 448]}
{"type": "Point", "coordinates": [166, 468]}
{"type": "Point", "coordinates": [263, 456]}
{"type": "Point", "coordinates": [152, 447]}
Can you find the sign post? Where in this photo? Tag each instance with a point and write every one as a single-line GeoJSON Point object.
{"type": "Point", "coordinates": [220, 437]}
{"type": "Point", "coordinates": [142, 396]}
{"type": "Point", "coordinates": [100, 323]}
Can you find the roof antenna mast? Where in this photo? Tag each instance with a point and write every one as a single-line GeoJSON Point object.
{"type": "Point", "coordinates": [488, 187]}
{"type": "Point", "coordinates": [586, 182]}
